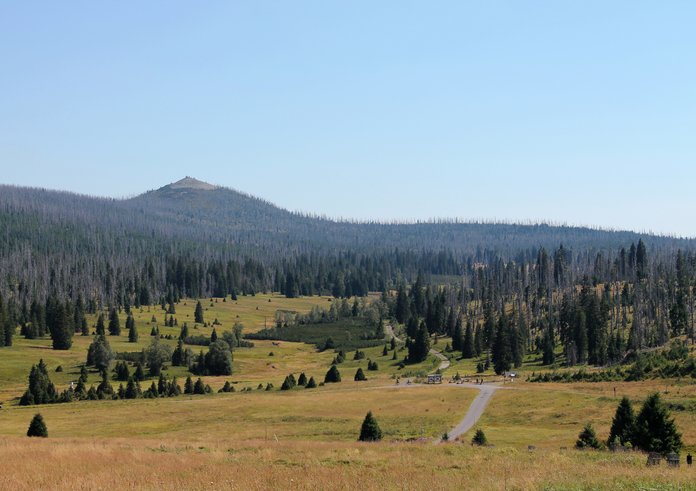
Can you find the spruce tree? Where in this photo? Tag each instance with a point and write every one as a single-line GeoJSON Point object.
{"type": "Point", "coordinates": [624, 423]}
{"type": "Point", "coordinates": [132, 330]}
{"type": "Point", "coordinates": [184, 332]}
{"type": "Point", "coordinates": [131, 389]}
{"type": "Point", "coordinates": [100, 330]}
{"type": "Point", "coordinates": [40, 390]}
{"type": "Point", "coordinates": [468, 347]}
{"type": "Point", "coordinates": [479, 438]}
{"type": "Point", "coordinates": [114, 323]}
{"type": "Point", "coordinates": [333, 375]}
{"type": "Point", "coordinates": [501, 353]}
{"type": "Point", "coordinates": [370, 430]}
{"type": "Point", "coordinates": [213, 336]}
{"type": "Point", "coordinates": [302, 380]}
{"type": "Point", "coordinates": [587, 438]}
{"type": "Point", "coordinates": [287, 384]}
{"type": "Point", "coordinates": [99, 353]}
{"type": "Point", "coordinates": [162, 385]}
{"type": "Point", "coordinates": [188, 385]}
{"type": "Point", "coordinates": [458, 335]}
{"type": "Point", "coordinates": [655, 430]}
{"type": "Point", "coordinates": [198, 314]}
{"type": "Point", "coordinates": [139, 372]}
{"type": "Point", "coordinates": [311, 384]}
{"type": "Point", "coordinates": [199, 387]}
{"type": "Point", "coordinates": [37, 427]}
{"type": "Point", "coordinates": [548, 347]}
{"type": "Point", "coordinates": [360, 375]}
{"type": "Point", "coordinates": [60, 325]}
{"type": "Point", "coordinates": [419, 348]}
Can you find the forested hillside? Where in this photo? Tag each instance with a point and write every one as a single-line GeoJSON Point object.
{"type": "Point", "coordinates": [194, 239]}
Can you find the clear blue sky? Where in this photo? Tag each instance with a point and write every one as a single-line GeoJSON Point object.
{"type": "Point", "coordinates": [578, 112]}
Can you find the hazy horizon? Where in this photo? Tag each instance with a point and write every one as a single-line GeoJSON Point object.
{"type": "Point", "coordinates": [576, 113]}
{"type": "Point", "coordinates": [386, 221]}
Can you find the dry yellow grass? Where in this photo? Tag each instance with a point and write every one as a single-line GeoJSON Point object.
{"type": "Point", "coordinates": [76, 464]}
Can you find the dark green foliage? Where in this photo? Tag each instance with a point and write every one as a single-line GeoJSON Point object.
{"type": "Point", "coordinates": [100, 328]}
{"type": "Point", "coordinates": [347, 334]}
{"type": "Point", "coordinates": [655, 430]}
{"type": "Point", "coordinates": [199, 387]}
{"type": "Point", "coordinates": [156, 354]}
{"type": "Point", "coordinates": [468, 347]}
{"type": "Point", "coordinates": [419, 347]}
{"type": "Point", "coordinates": [227, 387]}
{"type": "Point", "coordinates": [372, 366]}
{"type": "Point", "coordinates": [60, 324]}
{"type": "Point", "coordinates": [623, 426]}
{"type": "Point", "coordinates": [184, 332]}
{"type": "Point", "coordinates": [188, 386]}
{"type": "Point", "coordinates": [198, 314]}
{"type": "Point", "coordinates": [339, 358]}
{"type": "Point", "coordinates": [588, 438]}
{"type": "Point", "coordinates": [548, 346]}
{"type": "Point", "coordinates": [333, 375]}
{"type": "Point", "coordinates": [161, 385]}
{"type": "Point", "coordinates": [114, 323]}
{"type": "Point", "coordinates": [139, 372]}
{"type": "Point", "coordinates": [359, 355]}
{"type": "Point", "coordinates": [311, 384]}
{"type": "Point", "coordinates": [501, 353]}
{"type": "Point", "coordinates": [40, 390]}
{"type": "Point", "coordinates": [104, 389]}
{"type": "Point", "coordinates": [360, 375]}
{"type": "Point", "coordinates": [37, 427]}
{"type": "Point", "coordinates": [213, 336]}
{"type": "Point", "coordinates": [302, 380]}
{"type": "Point", "coordinates": [218, 360]}
{"type": "Point", "coordinates": [370, 430]}
{"type": "Point", "coordinates": [132, 330]}
{"type": "Point", "coordinates": [479, 438]}
{"type": "Point", "coordinates": [287, 384]}
{"type": "Point", "coordinates": [179, 355]}
{"type": "Point", "coordinates": [99, 353]}
{"type": "Point", "coordinates": [385, 350]}
{"type": "Point", "coordinates": [132, 389]}
{"type": "Point", "coordinates": [458, 335]}
{"type": "Point", "coordinates": [121, 371]}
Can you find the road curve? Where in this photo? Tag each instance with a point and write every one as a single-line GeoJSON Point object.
{"type": "Point", "coordinates": [475, 411]}
{"type": "Point", "coordinates": [478, 405]}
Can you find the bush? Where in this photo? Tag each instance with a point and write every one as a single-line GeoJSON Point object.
{"type": "Point", "coordinates": [311, 384]}
{"type": "Point", "coordinates": [360, 375]}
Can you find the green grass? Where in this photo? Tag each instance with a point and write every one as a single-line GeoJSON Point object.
{"type": "Point", "coordinates": [347, 334]}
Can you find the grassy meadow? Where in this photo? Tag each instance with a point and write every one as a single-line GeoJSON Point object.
{"type": "Point", "coordinates": [306, 438]}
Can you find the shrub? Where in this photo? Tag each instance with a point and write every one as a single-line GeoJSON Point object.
{"type": "Point", "coordinates": [359, 375]}
{"type": "Point", "coordinates": [311, 384]}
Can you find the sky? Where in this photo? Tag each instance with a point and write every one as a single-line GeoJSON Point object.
{"type": "Point", "coordinates": [567, 112]}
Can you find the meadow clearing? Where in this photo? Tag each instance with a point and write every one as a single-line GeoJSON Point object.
{"type": "Point", "coordinates": [306, 439]}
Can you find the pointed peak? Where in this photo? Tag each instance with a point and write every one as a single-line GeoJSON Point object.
{"type": "Point", "coordinates": [192, 183]}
